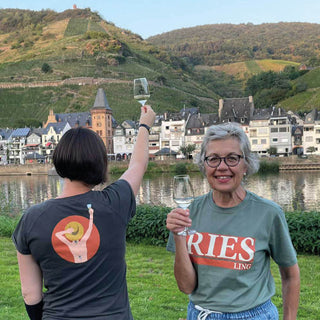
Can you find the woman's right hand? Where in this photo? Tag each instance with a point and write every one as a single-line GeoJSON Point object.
{"type": "Point", "coordinates": [147, 115]}
{"type": "Point", "coordinates": [178, 219]}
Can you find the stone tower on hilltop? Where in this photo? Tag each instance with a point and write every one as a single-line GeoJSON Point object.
{"type": "Point", "coordinates": [101, 117]}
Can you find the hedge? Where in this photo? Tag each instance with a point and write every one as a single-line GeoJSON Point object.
{"type": "Point", "coordinates": [304, 229]}
{"type": "Point", "coordinates": [149, 227]}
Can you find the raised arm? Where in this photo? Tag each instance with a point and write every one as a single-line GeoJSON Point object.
{"type": "Point", "coordinates": [140, 156]}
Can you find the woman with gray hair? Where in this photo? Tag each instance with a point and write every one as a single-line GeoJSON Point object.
{"type": "Point", "coordinates": [225, 265]}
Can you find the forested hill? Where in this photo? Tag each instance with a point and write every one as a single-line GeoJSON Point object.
{"type": "Point", "coordinates": [49, 48]}
{"type": "Point", "coordinates": [226, 43]}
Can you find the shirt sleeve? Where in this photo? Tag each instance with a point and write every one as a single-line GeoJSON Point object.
{"type": "Point", "coordinates": [19, 236]}
{"type": "Point", "coordinates": [122, 199]}
{"type": "Point", "coordinates": [281, 247]}
{"type": "Point", "coordinates": [171, 246]}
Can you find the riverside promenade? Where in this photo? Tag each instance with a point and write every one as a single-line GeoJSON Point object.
{"type": "Point", "coordinates": [285, 164]}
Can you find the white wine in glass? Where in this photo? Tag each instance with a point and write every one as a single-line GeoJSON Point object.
{"type": "Point", "coordinates": [183, 196]}
{"type": "Point", "coordinates": [141, 90]}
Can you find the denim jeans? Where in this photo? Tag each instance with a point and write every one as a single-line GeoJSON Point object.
{"type": "Point", "coordinates": [265, 311]}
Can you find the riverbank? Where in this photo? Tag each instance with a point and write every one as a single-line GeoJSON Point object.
{"type": "Point", "coordinates": [25, 169]}
{"type": "Point", "coordinates": [163, 166]}
{"type": "Point", "coordinates": [114, 167]}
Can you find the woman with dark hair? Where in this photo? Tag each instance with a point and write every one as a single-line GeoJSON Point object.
{"type": "Point", "coordinates": [225, 265]}
{"type": "Point", "coordinates": [74, 245]}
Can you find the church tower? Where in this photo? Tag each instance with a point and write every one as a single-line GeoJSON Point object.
{"type": "Point", "coordinates": [101, 117]}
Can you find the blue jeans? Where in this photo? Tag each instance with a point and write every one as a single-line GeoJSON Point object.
{"type": "Point", "coordinates": [265, 311]}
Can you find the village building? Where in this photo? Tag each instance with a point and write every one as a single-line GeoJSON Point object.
{"type": "Point", "coordinates": [32, 149]}
{"type": "Point", "coordinates": [101, 115]}
{"type": "Point", "coordinates": [98, 119]}
{"type": "Point", "coordinates": [172, 131]}
{"type": "Point", "coordinates": [311, 132]}
{"type": "Point", "coordinates": [238, 110]}
{"type": "Point", "coordinates": [196, 127]}
{"type": "Point", "coordinates": [5, 135]}
{"type": "Point", "coordinates": [280, 131]}
{"type": "Point", "coordinates": [124, 139]}
{"type": "Point", "coordinates": [154, 137]}
{"type": "Point", "coordinates": [259, 131]}
{"type": "Point", "coordinates": [18, 139]}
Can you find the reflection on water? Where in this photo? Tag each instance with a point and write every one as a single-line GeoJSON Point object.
{"type": "Point", "coordinates": [291, 190]}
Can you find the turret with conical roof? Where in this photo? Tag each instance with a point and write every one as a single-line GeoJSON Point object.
{"type": "Point", "coordinates": [101, 116]}
{"type": "Point", "coordinates": [101, 101]}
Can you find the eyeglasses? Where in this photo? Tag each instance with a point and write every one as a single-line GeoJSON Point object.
{"type": "Point", "coordinates": [231, 160]}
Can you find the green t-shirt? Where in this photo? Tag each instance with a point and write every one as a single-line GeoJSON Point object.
{"type": "Point", "coordinates": [231, 252]}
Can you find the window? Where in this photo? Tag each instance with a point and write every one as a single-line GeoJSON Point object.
{"type": "Point", "coordinates": [253, 133]}
{"type": "Point", "coordinates": [309, 139]}
{"type": "Point", "coordinates": [274, 129]}
{"type": "Point", "coordinates": [263, 141]}
{"type": "Point", "coordinates": [285, 129]}
{"type": "Point", "coordinates": [254, 141]}
{"type": "Point", "coordinates": [275, 140]}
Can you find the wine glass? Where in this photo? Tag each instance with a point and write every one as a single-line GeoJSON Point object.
{"type": "Point", "coordinates": [183, 196]}
{"type": "Point", "coordinates": [141, 90]}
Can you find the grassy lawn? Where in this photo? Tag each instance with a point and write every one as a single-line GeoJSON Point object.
{"type": "Point", "coordinates": [152, 288]}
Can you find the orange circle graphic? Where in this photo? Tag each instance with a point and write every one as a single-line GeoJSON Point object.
{"type": "Point", "coordinates": [72, 240]}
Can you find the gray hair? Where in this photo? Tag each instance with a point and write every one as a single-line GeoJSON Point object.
{"type": "Point", "coordinates": [225, 131]}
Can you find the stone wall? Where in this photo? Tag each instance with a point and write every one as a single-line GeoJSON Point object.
{"type": "Point", "coordinates": [26, 169]}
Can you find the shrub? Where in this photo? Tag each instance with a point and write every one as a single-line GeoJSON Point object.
{"type": "Point", "coordinates": [180, 168]}
{"type": "Point", "coordinates": [7, 225]}
{"type": "Point", "coordinates": [269, 166]}
{"type": "Point", "coordinates": [46, 68]}
{"type": "Point", "coordinates": [149, 225]}
{"type": "Point", "coordinates": [305, 231]}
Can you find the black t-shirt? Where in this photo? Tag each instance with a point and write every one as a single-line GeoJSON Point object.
{"type": "Point", "coordinates": [81, 255]}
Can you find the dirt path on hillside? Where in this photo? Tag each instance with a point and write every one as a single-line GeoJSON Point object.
{"type": "Point", "coordinates": [81, 81]}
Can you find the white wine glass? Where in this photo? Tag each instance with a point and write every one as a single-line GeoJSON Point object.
{"type": "Point", "coordinates": [183, 195]}
{"type": "Point", "coordinates": [141, 90]}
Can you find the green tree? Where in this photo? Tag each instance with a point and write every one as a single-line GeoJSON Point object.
{"type": "Point", "coordinates": [187, 150]}
{"type": "Point", "coordinates": [46, 68]}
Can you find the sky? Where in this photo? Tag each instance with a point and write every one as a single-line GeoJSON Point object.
{"type": "Point", "coordinates": [152, 17]}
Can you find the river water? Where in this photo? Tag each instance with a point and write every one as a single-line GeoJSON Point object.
{"type": "Point", "coordinates": [297, 190]}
